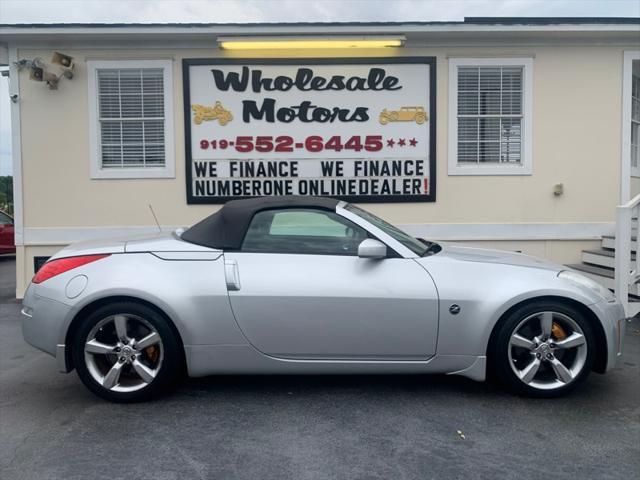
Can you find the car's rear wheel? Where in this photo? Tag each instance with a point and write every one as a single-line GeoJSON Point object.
{"type": "Point", "coordinates": [543, 349]}
{"type": "Point", "coordinates": [126, 352]}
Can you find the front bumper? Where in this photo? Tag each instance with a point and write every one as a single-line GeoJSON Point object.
{"type": "Point", "coordinates": [44, 324]}
{"type": "Point", "coordinates": [614, 323]}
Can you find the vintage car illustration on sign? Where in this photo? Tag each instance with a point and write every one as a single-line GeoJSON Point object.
{"type": "Point", "coordinates": [405, 114]}
{"type": "Point", "coordinates": [203, 113]}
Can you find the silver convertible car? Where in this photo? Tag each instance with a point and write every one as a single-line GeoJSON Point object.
{"type": "Point", "coordinates": [314, 285]}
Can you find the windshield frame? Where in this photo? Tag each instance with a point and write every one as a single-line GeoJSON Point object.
{"type": "Point", "coordinates": [408, 241]}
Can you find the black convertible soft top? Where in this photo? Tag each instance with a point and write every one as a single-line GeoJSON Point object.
{"type": "Point", "coordinates": [226, 228]}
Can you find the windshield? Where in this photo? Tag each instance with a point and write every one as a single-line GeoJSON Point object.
{"type": "Point", "coordinates": [413, 244]}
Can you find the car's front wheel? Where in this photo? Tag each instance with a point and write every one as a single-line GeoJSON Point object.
{"type": "Point", "coordinates": [543, 349]}
{"type": "Point", "coordinates": [126, 352]}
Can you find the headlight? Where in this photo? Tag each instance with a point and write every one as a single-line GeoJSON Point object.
{"type": "Point", "coordinates": [586, 282]}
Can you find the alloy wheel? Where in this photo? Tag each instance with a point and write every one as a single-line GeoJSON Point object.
{"type": "Point", "coordinates": [123, 353]}
{"type": "Point", "coordinates": [547, 350]}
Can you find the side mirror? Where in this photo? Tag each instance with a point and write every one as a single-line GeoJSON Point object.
{"type": "Point", "coordinates": [370, 248]}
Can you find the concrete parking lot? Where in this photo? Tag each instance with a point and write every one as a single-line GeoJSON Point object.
{"type": "Point", "coordinates": [306, 427]}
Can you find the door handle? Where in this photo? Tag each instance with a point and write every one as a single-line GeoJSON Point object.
{"type": "Point", "coordinates": [231, 275]}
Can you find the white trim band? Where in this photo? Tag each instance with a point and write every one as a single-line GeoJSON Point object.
{"type": "Point", "coordinates": [194, 30]}
{"type": "Point", "coordinates": [511, 231]}
{"type": "Point", "coordinates": [36, 236]}
{"type": "Point", "coordinates": [43, 236]}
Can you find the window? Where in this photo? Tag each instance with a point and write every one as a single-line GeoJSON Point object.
{"type": "Point", "coordinates": [5, 219]}
{"type": "Point", "coordinates": [635, 124]}
{"type": "Point", "coordinates": [413, 244]}
{"type": "Point", "coordinates": [490, 116]}
{"type": "Point", "coordinates": [131, 119]}
{"type": "Point", "coordinates": [302, 231]}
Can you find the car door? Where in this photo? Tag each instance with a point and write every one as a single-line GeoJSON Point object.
{"type": "Point", "coordinates": [6, 233]}
{"type": "Point", "coordinates": [298, 290]}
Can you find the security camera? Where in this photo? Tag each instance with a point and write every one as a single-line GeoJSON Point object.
{"type": "Point", "coordinates": [52, 80]}
{"type": "Point", "coordinates": [26, 63]}
{"type": "Point", "coordinates": [20, 64]}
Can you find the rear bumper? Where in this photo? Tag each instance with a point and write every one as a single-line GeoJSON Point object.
{"type": "Point", "coordinates": [612, 318]}
{"type": "Point", "coordinates": [43, 325]}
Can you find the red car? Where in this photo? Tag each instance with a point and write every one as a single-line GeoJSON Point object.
{"type": "Point", "coordinates": [7, 244]}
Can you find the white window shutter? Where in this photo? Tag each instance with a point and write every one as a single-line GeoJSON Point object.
{"type": "Point", "coordinates": [490, 111]}
{"type": "Point", "coordinates": [131, 117]}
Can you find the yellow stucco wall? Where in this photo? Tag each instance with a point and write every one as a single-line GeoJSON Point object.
{"type": "Point", "coordinates": [576, 141]}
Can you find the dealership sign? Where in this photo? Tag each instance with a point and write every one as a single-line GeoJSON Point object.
{"type": "Point", "coordinates": [359, 129]}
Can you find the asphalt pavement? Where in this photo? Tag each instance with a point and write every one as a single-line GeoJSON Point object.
{"type": "Point", "coordinates": [310, 427]}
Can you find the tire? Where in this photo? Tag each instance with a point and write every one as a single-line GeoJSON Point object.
{"type": "Point", "coordinates": [132, 367]}
{"type": "Point", "coordinates": [543, 368]}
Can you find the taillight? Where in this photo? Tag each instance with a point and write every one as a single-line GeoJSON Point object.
{"type": "Point", "coordinates": [61, 265]}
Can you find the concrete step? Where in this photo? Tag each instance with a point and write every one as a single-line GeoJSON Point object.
{"type": "Point", "coordinates": [609, 241]}
{"type": "Point", "coordinates": [593, 270]}
{"type": "Point", "coordinates": [634, 306]}
{"type": "Point", "coordinates": [604, 276]}
{"type": "Point", "coordinates": [602, 257]}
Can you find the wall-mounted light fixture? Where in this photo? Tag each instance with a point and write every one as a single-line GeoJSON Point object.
{"type": "Point", "coordinates": [298, 43]}
{"type": "Point", "coordinates": [63, 60]}
{"type": "Point", "coordinates": [39, 73]}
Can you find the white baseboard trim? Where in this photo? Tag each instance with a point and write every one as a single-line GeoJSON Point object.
{"type": "Point", "coordinates": [44, 236]}
{"type": "Point", "coordinates": [34, 236]}
{"type": "Point", "coordinates": [511, 231]}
